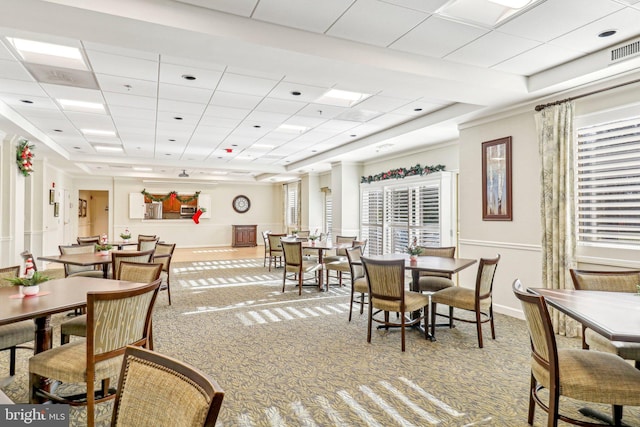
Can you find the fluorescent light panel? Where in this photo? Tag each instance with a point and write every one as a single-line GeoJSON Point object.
{"type": "Point", "coordinates": [48, 54]}
{"type": "Point", "coordinates": [342, 98]}
{"type": "Point", "coordinates": [73, 105]}
{"type": "Point", "coordinates": [98, 132]}
{"type": "Point", "coordinates": [292, 128]}
{"type": "Point", "coordinates": [488, 13]}
{"type": "Point", "coordinates": [142, 169]}
{"type": "Point", "coordinates": [109, 148]}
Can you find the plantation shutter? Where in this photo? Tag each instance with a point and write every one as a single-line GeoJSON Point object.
{"type": "Point", "coordinates": [371, 220]}
{"type": "Point", "coordinates": [608, 184]}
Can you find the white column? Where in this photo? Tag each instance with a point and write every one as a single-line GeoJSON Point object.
{"type": "Point", "coordinates": [345, 193]}
{"type": "Point", "coordinates": [12, 200]}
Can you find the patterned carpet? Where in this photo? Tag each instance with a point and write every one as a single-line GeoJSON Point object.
{"type": "Point", "coordinates": [289, 360]}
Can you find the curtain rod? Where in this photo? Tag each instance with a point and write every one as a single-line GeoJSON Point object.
{"type": "Point", "coordinates": [543, 106]}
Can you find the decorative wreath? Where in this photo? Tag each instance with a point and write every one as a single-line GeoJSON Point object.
{"type": "Point", "coordinates": [172, 195]}
{"type": "Point", "coordinates": [24, 156]}
{"type": "Point", "coordinates": [402, 173]}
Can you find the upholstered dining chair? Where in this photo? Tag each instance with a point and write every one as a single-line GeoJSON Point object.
{"type": "Point", "coordinates": [341, 265]}
{"type": "Point", "coordinates": [478, 300]}
{"type": "Point", "coordinates": [340, 254]}
{"type": "Point", "coordinates": [115, 319]}
{"type": "Point", "coordinates": [163, 255]}
{"type": "Point", "coordinates": [13, 335]}
{"type": "Point", "coordinates": [158, 391]}
{"type": "Point", "coordinates": [130, 271]}
{"type": "Point", "coordinates": [431, 281]}
{"type": "Point", "coordinates": [359, 284]}
{"type": "Point", "coordinates": [265, 239]}
{"type": "Point", "coordinates": [296, 266]}
{"type": "Point", "coordinates": [612, 281]}
{"type": "Point", "coordinates": [79, 270]}
{"type": "Point", "coordinates": [275, 249]}
{"type": "Point", "coordinates": [387, 294]}
{"type": "Point", "coordinates": [129, 256]}
{"type": "Point", "coordinates": [142, 237]}
{"type": "Point", "coordinates": [588, 376]}
{"type": "Point", "coordinates": [88, 240]}
{"type": "Point", "coordinates": [145, 244]}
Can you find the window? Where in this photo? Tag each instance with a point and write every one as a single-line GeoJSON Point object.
{"type": "Point", "coordinates": [328, 218]}
{"type": "Point", "coordinates": [608, 180]}
{"type": "Point", "coordinates": [292, 205]}
{"type": "Point", "coordinates": [394, 214]}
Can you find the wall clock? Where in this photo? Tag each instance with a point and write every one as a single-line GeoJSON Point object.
{"type": "Point", "coordinates": [241, 204]}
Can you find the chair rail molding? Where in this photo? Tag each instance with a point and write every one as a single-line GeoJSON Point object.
{"type": "Point", "coordinates": [506, 245]}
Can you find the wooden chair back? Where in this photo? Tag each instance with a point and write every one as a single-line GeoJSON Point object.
{"type": "Point", "coordinates": [129, 256]}
{"type": "Point", "coordinates": [137, 272]}
{"type": "Point", "coordinates": [142, 398]}
{"type": "Point", "coordinates": [612, 281]}
{"type": "Point", "coordinates": [88, 240]}
{"type": "Point", "coordinates": [77, 249]}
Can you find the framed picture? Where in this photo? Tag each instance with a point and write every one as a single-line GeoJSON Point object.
{"type": "Point", "coordinates": [56, 209]}
{"type": "Point", "coordinates": [52, 196]}
{"type": "Point", "coordinates": [496, 180]}
{"type": "Point", "coordinates": [80, 208]}
{"type": "Point", "coordinates": [84, 208]}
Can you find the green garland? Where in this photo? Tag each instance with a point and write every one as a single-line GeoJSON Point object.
{"type": "Point", "coordinates": [24, 157]}
{"type": "Point", "coordinates": [173, 195]}
{"type": "Point", "coordinates": [401, 173]}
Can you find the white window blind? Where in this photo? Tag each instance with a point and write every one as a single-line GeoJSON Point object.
{"type": "Point", "coordinates": [328, 219]}
{"type": "Point", "coordinates": [292, 204]}
{"type": "Point", "coordinates": [608, 184]}
{"type": "Point", "coordinates": [371, 219]}
{"type": "Point", "coordinates": [392, 216]}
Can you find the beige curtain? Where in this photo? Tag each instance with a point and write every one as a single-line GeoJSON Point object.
{"type": "Point", "coordinates": [555, 138]}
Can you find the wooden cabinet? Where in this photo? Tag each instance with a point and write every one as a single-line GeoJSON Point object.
{"type": "Point", "coordinates": [243, 235]}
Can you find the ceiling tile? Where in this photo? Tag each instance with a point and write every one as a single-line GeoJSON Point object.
{"type": "Point", "coordinates": [247, 85]}
{"type": "Point", "coordinates": [536, 60]}
{"type": "Point", "coordinates": [437, 37]}
{"type": "Point", "coordinates": [173, 74]}
{"type": "Point", "coordinates": [235, 100]}
{"type": "Point", "coordinates": [308, 15]}
{"type": "Point", "coordinates": [553, 18]}
{"type": "Point", "coordinates": [481, 53]}
{"type": "Point", "coordinates": [13, 70]}
{"type": "Point", "coordinates": [235, 7]}
{"type": "Point", "coordinates": [123, 66]}
{"type": "Point", "coordinates": [375, 22]}
{"type": "Point", "coordinates": [124, 100]}
{"type": "Point", "coordinates": [126, 85]}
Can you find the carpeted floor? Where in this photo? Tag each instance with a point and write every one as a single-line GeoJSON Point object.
{"type": "Point", "coordinates": [289, 360]}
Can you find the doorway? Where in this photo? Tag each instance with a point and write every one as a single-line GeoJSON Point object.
{"type": "Point", "coordinates": [93, 212]}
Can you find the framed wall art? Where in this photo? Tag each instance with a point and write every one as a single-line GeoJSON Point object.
{"type": "Point", "coordinates": [56, 209]}
{"type": "Point", "coordinates": [496, 180]}
{"type": "Point", "coordinates": [52, 196]}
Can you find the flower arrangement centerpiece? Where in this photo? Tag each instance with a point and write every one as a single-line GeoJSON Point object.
{"type": "Point", "coordinates": [125, 235]}
{"type": "Point", "coordinates": [313, 237]}
{"type": "Point", "coordinates": [414, 250]}
{"type": "Point", "coordinates": [30, 283]}
{"type": "Point", "coordinates": [24, 156]}
{"type": "Point", "coordinates": [103, 248]}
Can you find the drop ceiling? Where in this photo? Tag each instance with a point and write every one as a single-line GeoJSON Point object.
{"type": "Point", "coordinates": [206, 85]}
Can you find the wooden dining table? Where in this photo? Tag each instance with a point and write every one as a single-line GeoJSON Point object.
{"type": "Point", "coordinates": [321, 247]}
{"type": "Point", "coordinates": [427, 263]}
{"type": "Point", "coordinates": [614, 315]}
{"type": "Point", "coordinates": [55, 296]}
{"type": "Point", "coordinates": [84, 260]}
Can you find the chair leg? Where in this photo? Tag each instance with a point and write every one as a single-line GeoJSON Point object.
{"type": "Point", "coordinates": [351, 303]}
{"type": "Point", "coordinates": [284, 278]}
{"type": "Point", "coordinates": [532, 403]}
{"type": "Point", "coordinates": [370, 320]}
{"type": "Point", "coordinates": [300, 277]}
{"type": "Point", "coordinates": [450, 317]}
{"type": "Point", "coordinates": [362, 304]}
{"type": "Point", "coordinates": [554, 402]}
{"type": "Point", "coordinates": [479, 328]}
{"type": "Point", "coordinates": [616, 412]}
{"type": "Point", "coordinates": [433, 319]}
{"type": "Point", "coordinates": [168, 289]}
{"type": "Point", "coordinates": [402, 328]}
{"type": "Point", "coordinates": [493, 328]}
{"type": "Point", "coordinates": [12, 361]}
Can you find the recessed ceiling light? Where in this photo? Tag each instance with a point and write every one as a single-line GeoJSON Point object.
{"type": "Point", "coordinates": [188, 77]}
{"type": "Point", "coordinates": [296, 93]}
{"type": "Point", "coordinates": [172, 140]}
{"type": "Point", "coordinates": [342, 98]}
{"type": "Point", "coordinates": [72, 104]}
{"type": "Point", "coordinates": [98, 132]}
{"type": "Point", "coordinates": [353, 135]}
{"type": "Point", "coordinates": [234, 145]}
{"type": "Point", "coordinates": [110, 148]}
{"type": "Point", "coordinates": [257, 126]}
{"type": "Point", "coordinates": [76, 148]}
{"type": "Point", "coordinates": [167, 154]}
{"type": "Point", "coordinates": [178, 118]}
{"type": "Point", "coordinates": [607, 33]}
{"type": "Point", "coordinates": [48, 54]}
{"type": "Point", "coordinates": [26, 101]}
{"type": "Point", "coordinates": [417, 109]}
{"type": "Point", "coordinates": [57, 130]}
{"type": "Point", "coordinates": [292, 128]}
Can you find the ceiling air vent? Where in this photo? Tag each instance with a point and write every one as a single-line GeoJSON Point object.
{"type": "Point", "coordinates": [625, 51]}
{"type": "Point", "coordinates": [62, 76]}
